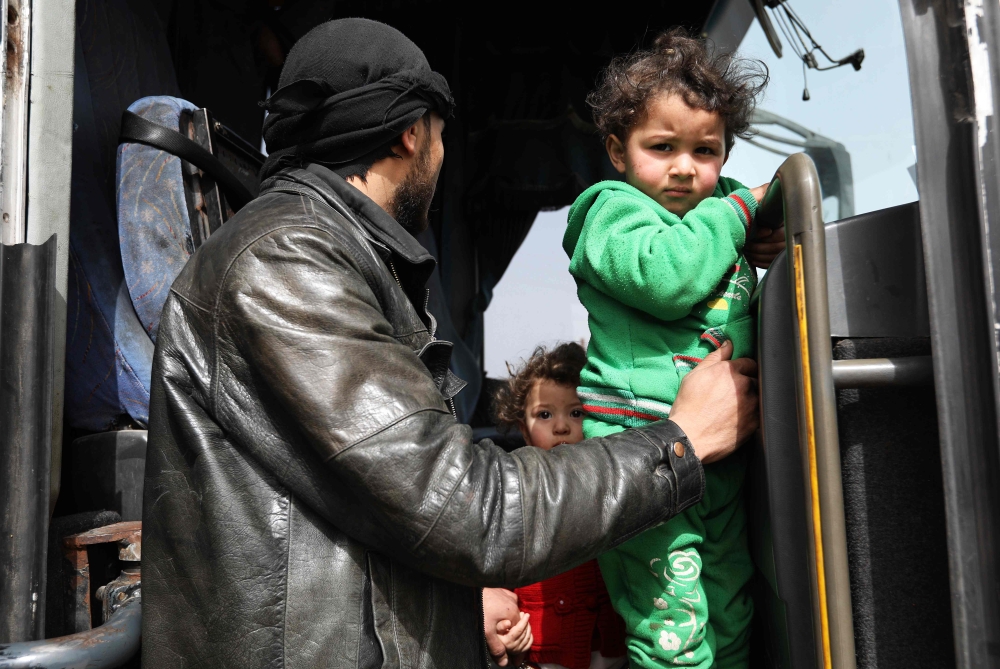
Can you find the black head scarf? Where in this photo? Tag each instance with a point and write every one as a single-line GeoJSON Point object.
{"type": "Point", "coordinates": [348, 87]}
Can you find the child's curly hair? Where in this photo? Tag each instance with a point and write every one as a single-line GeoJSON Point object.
{"type": "Point", "coordinates": [678, 63]}
{"type": "Point", "coordinates": [562, 365]}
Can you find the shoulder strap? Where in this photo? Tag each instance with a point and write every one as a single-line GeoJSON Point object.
{"type": "Point", "coordinates": [139, 130]}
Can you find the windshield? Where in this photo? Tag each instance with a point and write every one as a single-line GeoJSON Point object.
{"type": "Point", "coordinates": [868, 111]}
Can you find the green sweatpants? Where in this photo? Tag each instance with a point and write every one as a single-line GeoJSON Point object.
{"type": "Point", "coordinates": [682, 587]}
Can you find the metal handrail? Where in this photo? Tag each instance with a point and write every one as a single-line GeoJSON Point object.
{"type": "Point", "coordinates": [106, 647]}
{"type": "Point", "coordinates": [917, 370]}
{"type": "Point", "coordinates": [793, 199]}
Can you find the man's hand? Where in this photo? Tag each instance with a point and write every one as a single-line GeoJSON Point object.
{"type": "Point", "coordinates": [716, 404]}
{"type": "Point", "coordinates": [500, 616]}
{"type": "Point", "coordinates": [764, 246]}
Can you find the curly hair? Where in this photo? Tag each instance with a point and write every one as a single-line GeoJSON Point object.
{"type": "Point", "coordinates": [678, 63]}
{"type": "Point", "coordinates": [562, 365]}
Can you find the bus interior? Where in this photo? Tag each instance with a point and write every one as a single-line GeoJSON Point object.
{"type": "Point", "coordinates": [874, 484]}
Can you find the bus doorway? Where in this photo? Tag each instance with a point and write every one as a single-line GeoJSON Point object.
{"type": "Point", "coordinates": [913, 283]}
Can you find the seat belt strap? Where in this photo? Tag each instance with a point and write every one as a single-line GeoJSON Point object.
{"type": "Point", "coordinates": [138, 130]}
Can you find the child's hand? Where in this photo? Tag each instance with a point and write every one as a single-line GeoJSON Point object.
{"type": "Point", "coordinates": [500, 612]}
{"type": "Point", "coordinates": [759, 192]}
{"type": "Point", "coordinates": [517, 639]}
{"type": "Point", "coordinates": [765, 246]}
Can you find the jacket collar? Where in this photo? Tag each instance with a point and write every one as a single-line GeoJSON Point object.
{"type": "Point", "coordinates": [380, 225]}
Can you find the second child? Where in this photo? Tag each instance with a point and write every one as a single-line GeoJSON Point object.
{"type": "Point", "coordinates": [573, 625]}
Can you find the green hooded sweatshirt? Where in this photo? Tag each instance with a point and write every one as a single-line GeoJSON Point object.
{"type": "Point", "coordinates": [661, 292]}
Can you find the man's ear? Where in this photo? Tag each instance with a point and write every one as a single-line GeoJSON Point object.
{"type": "Point", "coordinates": [409, 140]}
{"type": "Point", "coordinates": [616, 152]}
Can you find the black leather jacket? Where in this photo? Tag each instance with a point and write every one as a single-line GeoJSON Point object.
{"type": "Point", "coordinates": [310, 500]}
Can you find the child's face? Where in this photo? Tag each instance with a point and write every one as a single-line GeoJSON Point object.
{"type": "Point", "coordinates": [553, 415]}
{"type": "Point", "coordinates": [675, 155]}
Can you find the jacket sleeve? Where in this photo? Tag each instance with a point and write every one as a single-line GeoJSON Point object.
{"type": "Point", "coordinates": [662, 267]}
{"type": "Point", "coordinates": [402, 476]}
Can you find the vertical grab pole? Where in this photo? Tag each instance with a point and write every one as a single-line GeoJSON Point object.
{"type": "Point", "coordinates": [795, 193]}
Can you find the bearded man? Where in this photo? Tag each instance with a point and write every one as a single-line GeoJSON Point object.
{"type": "Point", "coordinates": [310, 498]}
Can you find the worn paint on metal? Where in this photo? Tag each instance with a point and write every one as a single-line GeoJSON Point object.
{"type": "Point", "coordinates": [128, 536]}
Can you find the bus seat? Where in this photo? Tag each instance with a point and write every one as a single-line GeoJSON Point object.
{"type": "Point", "coordinates": [154, 225]}
{"type": "Point", "coordinates": [108, 470]}
{"type": "Point", "coordinates": [890, 460]}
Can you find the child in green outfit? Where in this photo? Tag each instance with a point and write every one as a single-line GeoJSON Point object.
{"type": "Point", "coordinates": [661, 265]}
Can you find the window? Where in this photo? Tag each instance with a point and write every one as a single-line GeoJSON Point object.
{"type": "Point", "coordinates": [535, 302]}
{"type": "Point", "coordinates": [868, 111]}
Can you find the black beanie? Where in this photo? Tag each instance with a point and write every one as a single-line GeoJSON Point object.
{"type": "Point", "coordinates": [348, 87]}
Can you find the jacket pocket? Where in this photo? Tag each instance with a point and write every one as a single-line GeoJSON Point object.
{"type": "Point", "coordinates": [379, 572]}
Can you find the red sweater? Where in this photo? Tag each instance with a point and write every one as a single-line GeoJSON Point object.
{"type": "Point", "coordinates": [571, 616]}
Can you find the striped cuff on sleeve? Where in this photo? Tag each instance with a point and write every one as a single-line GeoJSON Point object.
{"type": "Point", "coordinates": [744, 204]}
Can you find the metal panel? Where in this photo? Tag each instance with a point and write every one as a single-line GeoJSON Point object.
{"type": "Point", "coordinates": [27, 275]}
{"type": "Point", "coordinates": [877, 260]}
{"type": "Point", "coordinates": [50, 149]}
{"type": "Point", "coordinates": [963, 338]}
{"type": "Point", "coordinates": [728, 23]}
{"type": "Point", "coordinates": [15, 44]}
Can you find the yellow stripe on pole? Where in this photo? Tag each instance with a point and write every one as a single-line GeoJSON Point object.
{"type": "Point", "coordinates": [800, 303]}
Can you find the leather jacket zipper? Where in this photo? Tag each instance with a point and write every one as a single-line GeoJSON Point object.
{"type": "Point", "coordinates": [482, 626]}
{"type": "Point", "coordinates": [427, 304]}
{"type": "Point", "coordinates": [394, 275]}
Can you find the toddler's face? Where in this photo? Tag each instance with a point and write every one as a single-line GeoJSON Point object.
{"type": "Point", "coordinates": [675, 155]}
{"type": "Point", "coordinates": [553, 415]}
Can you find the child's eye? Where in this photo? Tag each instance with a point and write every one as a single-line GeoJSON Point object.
{"type": "Point", "coordinates": [663, 147]}
{"type": "Point", "coordinates": [544, 415]}
{"type": "Point", "coordinates": [705, 150]}
{"type": "Point", "coordinates": [576, 413]}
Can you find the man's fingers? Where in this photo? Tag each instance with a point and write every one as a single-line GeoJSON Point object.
{"type": "Point", "coordinates": [768, 234]}
{"type": "Point", "coordinates": [764, 249]}
{"type": "Point", "coordinates": [497, 648]}
{"type": "Point", "coordinates": [744, 366]}
{"type": "Point", "coordinates": [724, 352]}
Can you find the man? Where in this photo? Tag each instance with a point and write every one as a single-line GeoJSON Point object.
{"type": "Point", "coordinates": [310, 498]}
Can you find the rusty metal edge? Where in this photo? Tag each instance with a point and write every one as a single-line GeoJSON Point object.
{"type": "Point", "coordinates": [111, 645]}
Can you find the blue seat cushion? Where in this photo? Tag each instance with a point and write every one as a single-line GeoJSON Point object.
{"type": "Point", "coordinates": [154, 227]}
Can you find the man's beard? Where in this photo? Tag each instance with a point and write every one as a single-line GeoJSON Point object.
{"type": "Point", "coordinates": [411, 203]}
